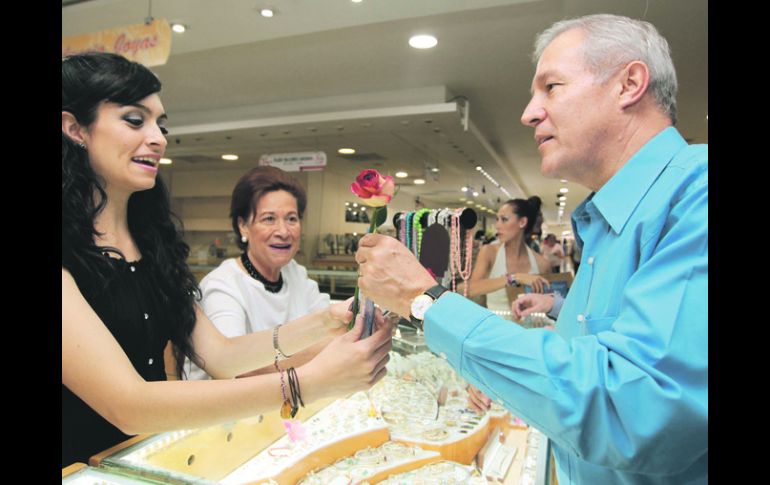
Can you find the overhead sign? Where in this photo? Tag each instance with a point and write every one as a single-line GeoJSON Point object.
{"type": "Point", "coordinates": [295, 162]}
{"type": "Point", "coordinates": [149, 45]}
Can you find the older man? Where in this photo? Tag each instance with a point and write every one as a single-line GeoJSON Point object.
{"type": "Point", "coordinates": [621, 387]}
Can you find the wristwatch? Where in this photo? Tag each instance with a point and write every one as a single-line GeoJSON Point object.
{"type": "Point", "coordinates": [510, 280]}
{"type": "Point", "coordinates": [421, 303]}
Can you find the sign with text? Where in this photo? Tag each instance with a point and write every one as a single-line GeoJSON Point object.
{"type": "Point", "coordinates": [149, 45]}
{"type": "Point", "coordinates": [295, 162]}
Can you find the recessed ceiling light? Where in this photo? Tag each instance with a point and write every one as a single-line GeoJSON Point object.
{"type": "Point", "coordinates": [434, 169]}
{"type": "Point", "coordinates": [419, 181]}
{"type": "Point", "coordinates": [469, 202]}
{"type": "Point", "coordinates": [178, 28]}
{"type": "Point", "coordinates": [165, 161]}
{"type": "Point", "coordinates": [562, 197]}
{"type": "Point", "coordinates": [478, 167]}
{"type": "Point", "coordinates": [463, 199]}
{"type": "Point", "coordinates": [562, 204]}
{"type": "Point", "coordinates": [356, 1]}
{"type": "Point", "coordinates": [355, 204]}
{"type": "Point", "coordinates": [464, 189]}
{"type": "Point", "coordinates": [267, 12]}
{"type": "Point", "coordinates": [423, 41]}
{"type": "Point", "coordinates": [402, 175]}
{"type": "Point", "coordinates": [229, 157]}
{"type": "Point", "coordinates": [475, 194]}
{"type": "Point", "coordinates": [564, 190]}
{"type": "Point", "coordinates": [346, 151]}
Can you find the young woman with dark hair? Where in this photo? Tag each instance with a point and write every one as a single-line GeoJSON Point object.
{"type": "Point", "coordinates": [127, 291]}
{"type": "Point", "coordinates": [510, 261]}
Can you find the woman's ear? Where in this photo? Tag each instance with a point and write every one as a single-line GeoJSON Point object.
{"type": "Point", "coordinates": [243, 227]}
{"type": "Point", "coordinates": [71, 127]}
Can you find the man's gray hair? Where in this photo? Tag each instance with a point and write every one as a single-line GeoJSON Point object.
{"type": "Point", "coordinates": [613, 41]}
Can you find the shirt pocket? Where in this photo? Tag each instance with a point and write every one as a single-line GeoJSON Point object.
{"type": "Point", "coordinates": [594, 325]}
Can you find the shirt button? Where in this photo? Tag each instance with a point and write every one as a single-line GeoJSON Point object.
{"type": "Point", "coordinates": [591, 260]}
{"type": "Point", "coordinates": [132, 269]}
{"type": "Point", "coordinates": [150, 361]}
{"type": "Point", "coordinates": [146, 316]}
{"type": "Point", "coordinates": [580, 318]}
{"type": "Point", "coordinates": [442, 355]}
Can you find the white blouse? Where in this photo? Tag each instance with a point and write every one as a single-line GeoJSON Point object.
{"type": "Point", "coordinates": [238, 304]}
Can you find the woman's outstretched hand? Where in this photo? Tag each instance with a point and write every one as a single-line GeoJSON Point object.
{"type": "Point", "coordinates": [348, 364]}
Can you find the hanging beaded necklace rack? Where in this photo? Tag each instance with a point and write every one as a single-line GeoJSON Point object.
{"type": "Point", "coordinates": [413, 224]}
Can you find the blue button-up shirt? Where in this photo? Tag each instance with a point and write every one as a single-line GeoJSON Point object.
{"type": "Point", "coordinates": [621, 386]}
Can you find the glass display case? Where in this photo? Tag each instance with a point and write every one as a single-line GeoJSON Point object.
{"type": "Point", "coordinates": [413, 423]}
{"type": "Point", "coordinates": [81, 474]}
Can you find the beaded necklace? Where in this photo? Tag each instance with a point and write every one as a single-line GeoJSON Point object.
{"type": "Point", "coordinates": [408, 229]}
{"type": "Point", "coordinates": [402, 228]}
{"type": "Point", "coordinates": [456, 251]}
{"type": "Point", "coordinates": [419, 230]}
{"type": "Point", "coordinates": [271, 286]}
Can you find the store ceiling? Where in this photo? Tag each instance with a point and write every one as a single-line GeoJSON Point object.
{"type": "Point", "coordinates": [323, 74]}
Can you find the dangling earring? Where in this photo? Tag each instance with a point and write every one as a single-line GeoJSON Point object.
{"type": "Point", "coordinates": [244, 239]}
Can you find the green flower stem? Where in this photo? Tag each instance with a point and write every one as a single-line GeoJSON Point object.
{"type": "Point", "coordinates": [378, 218]}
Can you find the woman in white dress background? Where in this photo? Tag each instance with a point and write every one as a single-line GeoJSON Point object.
{"type": "Point", "coordinates": [510, 261]}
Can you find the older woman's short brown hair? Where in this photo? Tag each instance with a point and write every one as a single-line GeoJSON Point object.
{"type": "Point", "coordinates": [253, 185]}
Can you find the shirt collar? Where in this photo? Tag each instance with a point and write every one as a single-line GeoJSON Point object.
{"type": "Point", "coordinates": [618, 198]}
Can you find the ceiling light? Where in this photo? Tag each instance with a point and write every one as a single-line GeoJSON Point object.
{"type": "Point", "coordinates": [346, 151]}
{"type": "Point", "coordinates": [419, 181]}
{"type": "Point", "coordinates": [165, 161]}
{"type": "Point", "coordinates": [562, 204]}
{"type": "Point", "coordinates": [229, 157]}
{"type": "Point", "coordinates": [464, 189]}
{"type": "Point", "coordinates": [267, 12]}
{"type": "Point", "coordinates": [562, 197]}
{"type": "Point", "coordinates": [434, 169]}
{"type": "Point", "coordinates": [469, 202]}
{"type": "Point", "coordinates": [178, 28]}
{"type": "Point", "coordinates": [355, 204]}
{"type": "Point", "coordinates": [347, 203]}
{"type": "Point", "coordinates": [475, 194]}
{"type": "Point", "coordinates": [423, 41]}
{"type": "Point", "coordinates": [463, 199]}
{"type": "Point", "coordinates": [478, 167]}
{"type": "Point", "coordinates": [402, 175]}
{"type": "Point", "coordinates": [356, 1]}
{"type": "Point", "coordinates": [564, 190]}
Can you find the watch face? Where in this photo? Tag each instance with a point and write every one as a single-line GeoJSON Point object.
{"type": "Point", "coordinates": [420, 305]}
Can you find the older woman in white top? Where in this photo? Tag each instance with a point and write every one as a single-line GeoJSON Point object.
{"type": "Point", "coordinates": [264, 287]}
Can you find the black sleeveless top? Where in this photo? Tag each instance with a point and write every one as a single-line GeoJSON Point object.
{"type": "Point", "coordinates": [131, 308]}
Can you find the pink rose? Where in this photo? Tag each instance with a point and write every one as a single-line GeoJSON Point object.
{"type": "Point", "coordinates": [373, 189]}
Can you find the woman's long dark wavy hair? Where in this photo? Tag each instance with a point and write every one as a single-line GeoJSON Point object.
{"type": "Point", "coordinates": [87, 81]}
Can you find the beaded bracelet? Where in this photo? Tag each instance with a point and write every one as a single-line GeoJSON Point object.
{"type": "Point", "coordinates": [286, 407]}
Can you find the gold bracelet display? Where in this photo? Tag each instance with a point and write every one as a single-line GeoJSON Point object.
{"type": "Point", "coordinates": [278, 352]}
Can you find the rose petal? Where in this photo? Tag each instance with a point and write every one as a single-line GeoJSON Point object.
{"type": "Point", "coordinates": [377, 200]}
{"type": "Point", "coordinates": [388, 187]}
{"type": "Point", "coordinates": [359, 191]}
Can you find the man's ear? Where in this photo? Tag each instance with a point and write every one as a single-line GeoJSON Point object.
{"type": "Point", "coordinates": [634, 81]}
{"type": "Point", "coordinates": [71, 127]}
